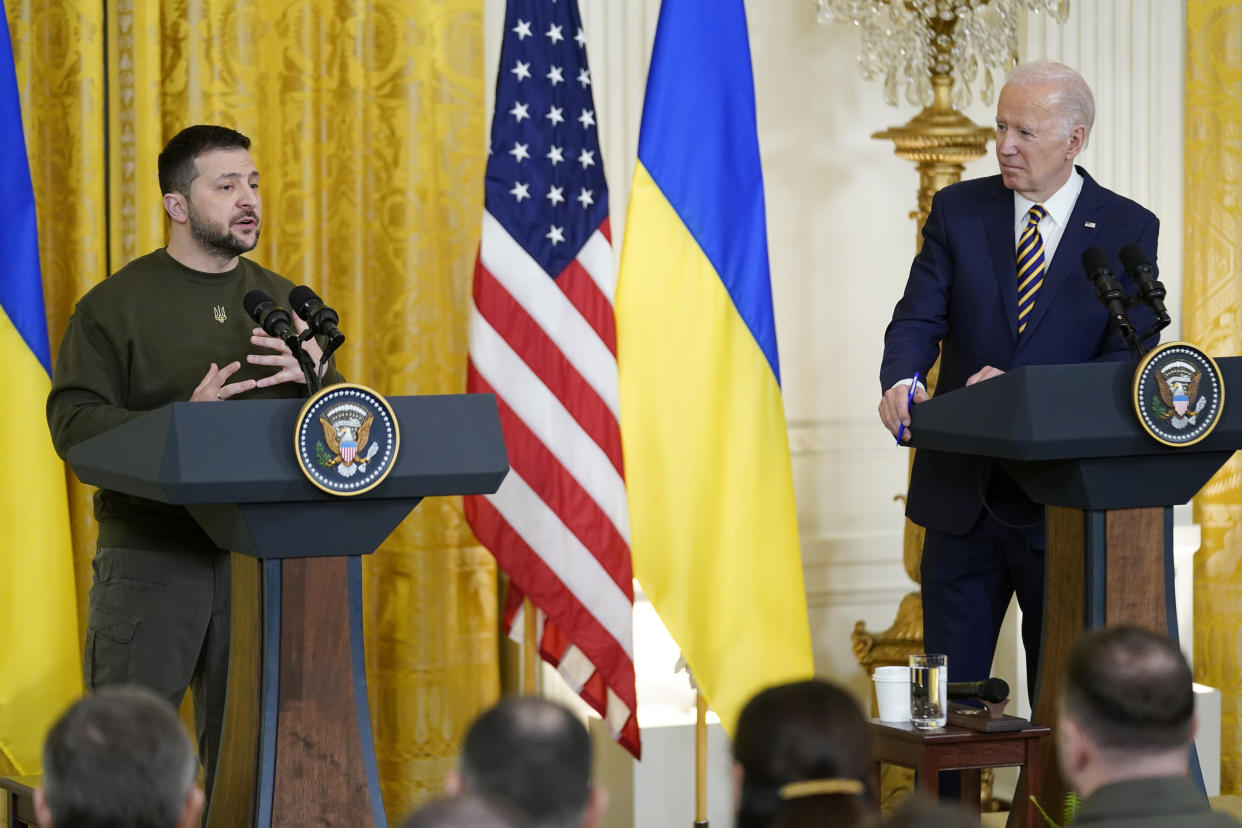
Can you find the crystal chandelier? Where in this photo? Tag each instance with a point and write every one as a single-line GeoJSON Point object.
{"type": "Point", "coordinates": [907, 42]}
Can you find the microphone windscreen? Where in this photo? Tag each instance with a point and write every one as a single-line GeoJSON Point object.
{"type": "Point", "coordinates": [1095, 261]}
{"type": "Point", "coordinates": [303, 301]}
{"type": "Point", "coordinates": [1133, 258]}
{"type": "Point", "coordinates": [253, 301]}
{"type": "Point", "coordinates": [994, 690]}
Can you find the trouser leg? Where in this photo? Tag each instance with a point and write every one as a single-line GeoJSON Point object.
{"type": "Point", "coordinates": [209, 684]}
{"type": "Point", "coordinates": [148, 620]}
{"type": "Point", "coordinates": [966, 591]}
{"type": "Point", "coordinates": [966, 588]}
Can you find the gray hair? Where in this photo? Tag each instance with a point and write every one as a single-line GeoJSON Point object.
{"type": "Point", "coordinates": [1074, 103]}
{"type": "Point", "coordinates": [118, 757]}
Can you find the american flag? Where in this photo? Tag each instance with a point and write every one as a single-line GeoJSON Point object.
{"type": "Point", "coordinates": [543, 340]}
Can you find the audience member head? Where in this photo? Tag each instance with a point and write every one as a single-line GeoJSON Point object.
{"type": "Point", "coordinates": [917, 811]}
{"type": "Point", "coordinates": [536, 756]}
{"type": "Point", "coordinates": [176, 164]}
{"type": "Point", "coordinates": [464, 811]}
{"type": "Point", "coordinates": [1127, 709]}
{"type": "Point", "coordinates": [802, 757]}
{"type": "Point", "coordinates": [119, 757]}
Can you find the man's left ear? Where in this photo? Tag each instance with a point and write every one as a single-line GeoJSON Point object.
{"type": "Point", "coordinates": [1077, 140]}
{"type": "Point", "coordinates": [1073, 748]}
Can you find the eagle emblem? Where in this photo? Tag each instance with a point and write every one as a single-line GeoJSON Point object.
{"type": "Point", "coordinates": [346, 439]}
{"type": "Point", "coordinates": [1178, 394]}
{"type": "Point", "coordinates": [346, 434]}
{"type": "Point", "coordinates": [1180, 401]}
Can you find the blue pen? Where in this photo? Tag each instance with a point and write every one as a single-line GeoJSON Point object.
{"type": "Point", "coordinates": [914, 386]}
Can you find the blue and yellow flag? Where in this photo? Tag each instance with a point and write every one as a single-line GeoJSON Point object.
{"type": "Point", "coordinates": [39, 661]}
{"type": "Point", "coordinates": [714, 530]}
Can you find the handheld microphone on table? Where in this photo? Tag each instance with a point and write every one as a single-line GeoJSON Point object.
{"type": "Point", "coordinates": [989, 690]}
{"type": "Point", "coordinates": [321, 318]}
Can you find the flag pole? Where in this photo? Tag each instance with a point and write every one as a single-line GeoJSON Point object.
{"type": "Point", "coordinates": [530, 653]}
{"type": "Point", "coordinates": [700, 761]}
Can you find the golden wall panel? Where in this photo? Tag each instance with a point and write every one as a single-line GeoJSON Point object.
{"type": "Point", "coordinates": [368, 129]}
{"type": "Point", "coordinates": [60, 79]}
{"type": "Point", "coordinates": [1212, 313]}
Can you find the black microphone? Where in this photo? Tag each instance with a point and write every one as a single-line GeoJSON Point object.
{"type": "Point", "coordinates": [988, 690]}
{"type": "Point", "coordinates": [1141, 271]}
{"type": "Point", "coordinates": [1107, 288]}
{"type": "Point", "coordinates": [271, 317]}
{"type": "Point", "coordinates": [321, 318]}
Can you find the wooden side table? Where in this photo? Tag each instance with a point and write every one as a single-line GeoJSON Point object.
{"type": "Point", "coordinates": [956, 748]}
{"type": "Point", "coordinates": [19, 800]}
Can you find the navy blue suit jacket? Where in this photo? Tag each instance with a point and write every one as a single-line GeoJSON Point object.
{"type": "Point", "coordinates": [961, 302]}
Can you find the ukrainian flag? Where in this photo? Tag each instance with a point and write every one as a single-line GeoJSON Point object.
{"type": "Point", "coordinates": [39, 661]}
{"type": "Point", "coordinates": [714, 531]}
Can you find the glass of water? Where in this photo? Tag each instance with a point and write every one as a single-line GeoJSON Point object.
{"type": "Point", "coordinates": [929, 699]}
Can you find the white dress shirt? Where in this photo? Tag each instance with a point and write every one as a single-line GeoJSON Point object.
{"type": "Point", "coordinates": [1059, 206]}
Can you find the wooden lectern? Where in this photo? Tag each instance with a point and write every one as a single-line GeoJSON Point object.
{"type": "Point", "coordinates": [297, 747]}
{"type": "Point", "coordinates": [1069, 436]}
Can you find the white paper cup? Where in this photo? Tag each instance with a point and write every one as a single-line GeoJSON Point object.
{"type": "Point", "coordinates": [892, 693]}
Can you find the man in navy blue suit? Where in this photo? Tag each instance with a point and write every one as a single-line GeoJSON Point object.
{"type": "Point", "coordinates": [999, 284]}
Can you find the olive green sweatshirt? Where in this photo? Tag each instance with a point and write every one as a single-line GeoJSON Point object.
{"type": "Point", "coordinates": [141, 339]}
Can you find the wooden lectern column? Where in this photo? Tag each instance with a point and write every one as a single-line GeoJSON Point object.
{"type": "Point", "coordinates": [297, 720]}
{"type": "Point", "coordinates": [1103, 569]}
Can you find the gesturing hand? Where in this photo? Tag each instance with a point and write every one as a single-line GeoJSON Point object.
{"type": "Point", "coordinates": [286, 364]}
{"type": "Point", "coordinates": [214, 385]}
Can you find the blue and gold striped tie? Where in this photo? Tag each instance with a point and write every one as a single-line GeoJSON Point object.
{"type": "Point", "coordinates": [1030, 265]}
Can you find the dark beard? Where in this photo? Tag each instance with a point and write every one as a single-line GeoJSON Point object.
{"type": "Point", "coordinates": [218, 241]}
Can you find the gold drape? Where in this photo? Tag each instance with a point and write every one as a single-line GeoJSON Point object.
{"type": "Point", "coordinates": [367, 122]}
{"type": "Point", "coordinates": [1212, 313]}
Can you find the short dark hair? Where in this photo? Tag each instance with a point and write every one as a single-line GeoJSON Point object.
{"type": "Point", "coordinates": [464, 811]}
{"type": "Point", "coordinates": [176, 163]}
{"type": "Point", "coordinates": [533, 754]}
{"type": "Point", "coordinates": [1130, 688]}
{"type": "Point", "coordinates": [798, 732]}
{"type": "Point", "coordinates": [118, 757]}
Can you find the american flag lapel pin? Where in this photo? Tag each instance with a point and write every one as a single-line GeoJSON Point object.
{"type": "Point", "coordinates": [1089, 225]}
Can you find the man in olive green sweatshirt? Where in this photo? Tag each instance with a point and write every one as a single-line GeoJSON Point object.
{"type": "Point", "coordinates": [169, 327]}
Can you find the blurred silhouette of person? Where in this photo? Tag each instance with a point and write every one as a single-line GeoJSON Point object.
{"type": "Point", "coordinates": [535, 756]}
{"type": "Point", "coordinates": [1126, 725]}
{"type": "Point", "coordinates": [119, 757]}
{"type": "Point", "coordinates": [802, 759]}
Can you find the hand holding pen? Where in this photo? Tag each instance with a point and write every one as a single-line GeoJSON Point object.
{"type": "Point", "coordinates": [895, 405]}
{"type": "Point", "coordinates": [914, 387]}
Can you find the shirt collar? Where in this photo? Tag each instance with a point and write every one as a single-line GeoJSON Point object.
{"type": "Point", "coordinates": [1059, 205]}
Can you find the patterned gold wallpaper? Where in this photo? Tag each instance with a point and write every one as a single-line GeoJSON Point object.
{"type": "Point", "coordinates": [368, 128]}
{"type": "Point", "coordinates": [1212, 313]}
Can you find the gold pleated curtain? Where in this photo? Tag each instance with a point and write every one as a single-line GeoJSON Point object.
{"type": "Point", "coordinates": [1212, 319]}
{"type": "Point", "coordinates": [367, 123]}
